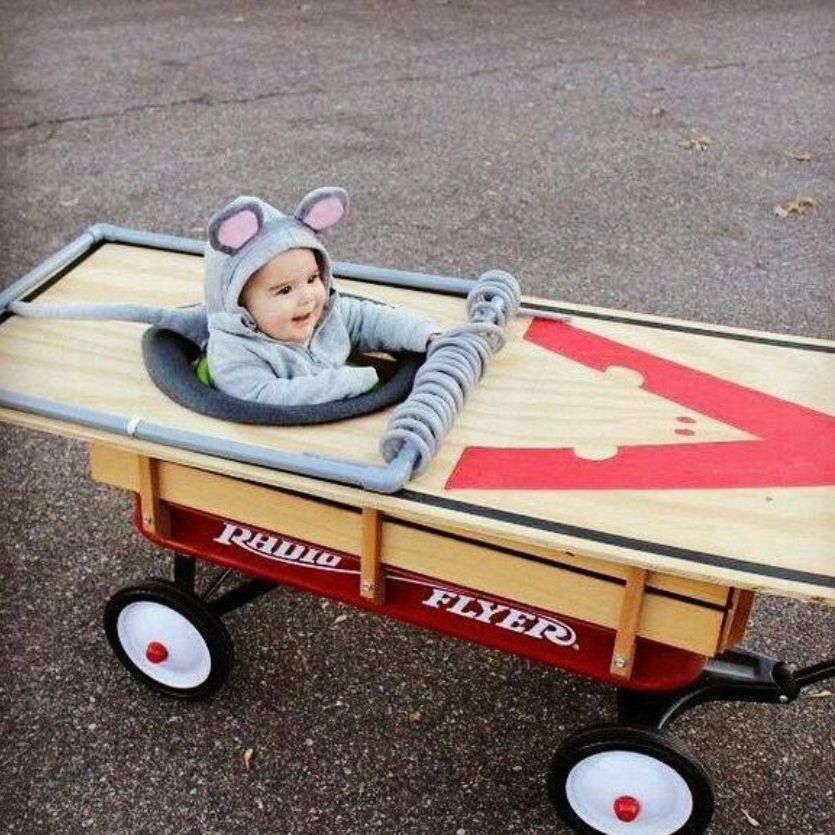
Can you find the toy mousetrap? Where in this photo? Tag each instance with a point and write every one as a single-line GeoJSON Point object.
{"type": "Point", "coordinates": [608, 500]}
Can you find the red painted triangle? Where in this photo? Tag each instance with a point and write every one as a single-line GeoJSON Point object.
{"type": "Point", "coordinates": [794, 445]}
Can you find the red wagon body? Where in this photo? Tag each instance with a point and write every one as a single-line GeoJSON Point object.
{"type": "Point", "coordinates": [547, 637]}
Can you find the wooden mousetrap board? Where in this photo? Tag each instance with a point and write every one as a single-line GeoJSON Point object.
{"type": "Point", "coordinates": [688, 450]}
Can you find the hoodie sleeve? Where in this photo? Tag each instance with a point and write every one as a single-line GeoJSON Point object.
{"type": "Point", "coordinates": [378, 327]}
{"type": "Point", "coordinates": [248, 377]}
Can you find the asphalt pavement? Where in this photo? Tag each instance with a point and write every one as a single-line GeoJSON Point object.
{"type": "Point", "coordinates": [621, 154]}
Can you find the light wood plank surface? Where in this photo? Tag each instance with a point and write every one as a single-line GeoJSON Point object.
{"type": "Point", "coordinates": [773, 538]}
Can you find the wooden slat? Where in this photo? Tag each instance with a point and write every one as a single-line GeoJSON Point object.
{"type": "Point", "coordinates": [623, 655]}
{"type": "Point", "coordinates": [684, 624]}
{"type": "Point", "coordinates": [309, 519]}
{"type": "Point", "coordinates": [713, 593]}
{"type": "Point", "coordinates": [372, 585]}
{"type": "Point", "coordinates": [736, 620]}
{"type": "Point", "coordinates": [155, 515]}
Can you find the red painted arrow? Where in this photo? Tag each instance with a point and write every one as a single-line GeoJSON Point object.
{"type": "Point", "coordinates": [794, 447]}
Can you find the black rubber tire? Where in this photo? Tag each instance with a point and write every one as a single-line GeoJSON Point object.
{"type": "Point", "coordinates": [211, 628]}
{"type": "Point", "coordinates": [648, 741]}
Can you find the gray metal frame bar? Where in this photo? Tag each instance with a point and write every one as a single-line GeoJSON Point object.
{"type": "Point", "coordinates": [383, 478]}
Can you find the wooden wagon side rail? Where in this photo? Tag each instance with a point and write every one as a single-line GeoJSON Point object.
{"type": "Point", "coordinates": [155, 514]}
{"type": "Point", "coordinates": [687, 614]}
{"type": "Point", "coordinates": [371, 557]}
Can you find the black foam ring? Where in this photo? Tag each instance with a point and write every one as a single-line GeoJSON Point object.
{"type": "Point", "coordinates": [169, 358]}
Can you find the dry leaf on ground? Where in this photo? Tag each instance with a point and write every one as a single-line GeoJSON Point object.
{"type": "Point", "coordinates": [798, 206]}
{"type": "Point", "coordinates": [697, 143]}
{"type": "Point", "coordinates": [819, 694]}
{"type": "Point", "coordinates": [750, 818]}
{"type": "Point", "coordinates": [800, 156]}
{"type": "Point", "coordinates": [249, 759]}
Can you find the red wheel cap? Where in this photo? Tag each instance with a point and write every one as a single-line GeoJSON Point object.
{"type": "Point", "coordinates": [627, 809]}
{"type": "Point", "coordinates": [156, 652]}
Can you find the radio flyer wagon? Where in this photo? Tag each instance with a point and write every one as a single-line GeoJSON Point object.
{"type": "Point", "coordinates": [608, 501]}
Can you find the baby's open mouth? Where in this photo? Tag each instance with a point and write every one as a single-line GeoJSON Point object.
{"type": "Point", "coordinates": [301, 320]}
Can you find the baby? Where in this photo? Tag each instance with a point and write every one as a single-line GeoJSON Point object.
{"type": "Point", "coordinates": [279, 332]}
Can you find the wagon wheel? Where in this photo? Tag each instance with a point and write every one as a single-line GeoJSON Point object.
{"type": "Point", "coordinates": [619, 779]}
{"type": "Point", "coordinates": [168, 639]}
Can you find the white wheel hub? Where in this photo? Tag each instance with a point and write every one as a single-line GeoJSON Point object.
{"type": "Point", "coordinates": [146, 626]}
{"type": "Point", "coordinates": [601, 785]}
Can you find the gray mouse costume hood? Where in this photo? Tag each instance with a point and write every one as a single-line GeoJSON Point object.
{"type": "Point", "coordinates": [247, 234]}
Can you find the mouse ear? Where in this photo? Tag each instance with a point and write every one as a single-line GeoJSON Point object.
{"type": "Point", "coordinates": [322, 208]}
{"type": "Point", "coordinates": [234, 227]}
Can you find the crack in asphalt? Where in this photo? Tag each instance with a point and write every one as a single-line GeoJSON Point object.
{"type": "Point", "coordinates": [206, 100]}
{"type": "Point", "coordinates": [763, 61]}
{"type": "Point", "coordinates": [105, 115]}
{"type": "Point", "coordinates": [111, 114]}
{"type": "Point", "coordinates": [209, 102]}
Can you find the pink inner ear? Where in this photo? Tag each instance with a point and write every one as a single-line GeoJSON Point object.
{"type": "Point", "coordinates": [235, 231]}
{"type": "Point", "coordinates": [324, 213]}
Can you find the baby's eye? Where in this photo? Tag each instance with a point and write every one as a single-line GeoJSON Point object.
{"type": "Point", "coordinates": [283, 291]}
{"type": "Point", "coordinates": [313, 279]}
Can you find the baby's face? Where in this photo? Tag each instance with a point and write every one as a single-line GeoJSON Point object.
{"type": "Point", "coordinates": [286, 296]}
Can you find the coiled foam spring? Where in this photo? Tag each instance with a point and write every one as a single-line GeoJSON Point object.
{"type": "Point", "coordinates": [455, 362]}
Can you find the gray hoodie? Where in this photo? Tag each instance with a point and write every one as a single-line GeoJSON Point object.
{"type": "Point", "coordinates": [246, 363]}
